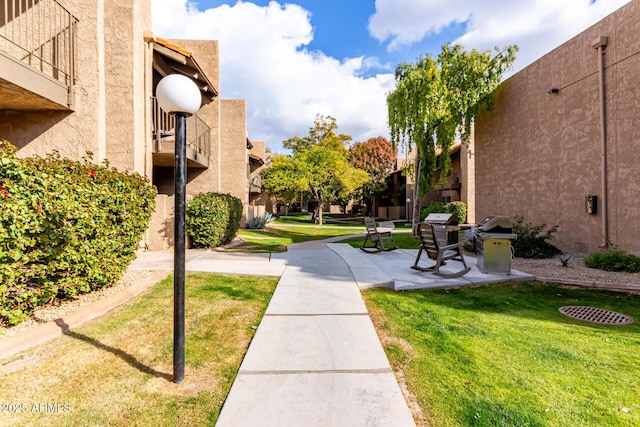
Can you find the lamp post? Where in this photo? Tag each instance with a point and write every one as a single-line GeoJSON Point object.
{"type": "Point", "coordinates": [407, 211]}
{"type": "Point", "coordinates": [178, 95]}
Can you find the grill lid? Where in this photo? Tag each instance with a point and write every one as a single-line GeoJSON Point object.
{"type": "Point", "coordinates": [496, 224]}
{"type": "Point", "coordinates": [442, 219]}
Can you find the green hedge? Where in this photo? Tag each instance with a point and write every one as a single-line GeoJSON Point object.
{"type": "Point", "coordinates": [213, 219]}
{"type": "Point", "coordinates": [66, 228]}
{"type": "Point", "coordinates": [614, 259]}
{"type": "Point", "coordinates": [457, 208]}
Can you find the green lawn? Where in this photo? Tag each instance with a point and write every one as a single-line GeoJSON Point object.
{"type": "Point", "coordinates": [404, 240]}
{"type": "Point", "coordinates": [117, 370]}
{"type": "Point", "coordinates": [503, 355]}
{"type": "Point", "coordinates": [277, 236]}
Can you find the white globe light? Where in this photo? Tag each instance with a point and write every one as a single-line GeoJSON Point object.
{"type": "Point", "coordinates": [177, 93]}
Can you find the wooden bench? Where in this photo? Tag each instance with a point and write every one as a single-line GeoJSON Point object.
{"type": "Point", "coordinates": [380, 241]}
{"type": "Point", "coordinates": [439, 253]}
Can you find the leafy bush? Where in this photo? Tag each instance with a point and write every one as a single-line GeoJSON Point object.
{"type": "Point", "coordinates": [613, 260]}
{"type": "Point", "coordinates": [260, 222]}
{"type": "Point", "coordinates": [435, 207]}
{"type": "Point", "coordinates": [213, 219]}
{"type": "Point", "coordinates": [471, 245]}
{"type": "Point", "coordinates": [66, 228]}
{"type": "Point", "coordinates": [457, 208]}
{"type": "Point", "coordinates": [532, 241]}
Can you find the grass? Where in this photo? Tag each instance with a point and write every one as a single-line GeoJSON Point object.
{"type": "Point", "coordinates": [403, 240]}
{"type": "Point", "coordinates": [277, 236]}
{"type": "Point", "coordinates": [503, 355]}
{"type": "Point", "coordinates": [117, 370]}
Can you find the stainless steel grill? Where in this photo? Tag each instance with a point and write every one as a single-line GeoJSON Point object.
{"type": "Point", "coordinates": [445, 226]}
{"type": "Point", "coordinates": [493, 244]}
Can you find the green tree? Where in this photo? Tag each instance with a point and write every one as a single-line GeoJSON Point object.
{"type": "Point", "coordinates": [282, 180]}
{"type": "Point", "coordinates": [435, 100]}
{"type": "Point", "coordinates": [319, 164]}
{"type": "Point", "coordinates": [323, 133]}
{"type": "Point", "coordinates": [377, 157]}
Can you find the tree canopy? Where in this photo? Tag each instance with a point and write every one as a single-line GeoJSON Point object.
{"type": "Point", "coordinates": [437, 99]}
{"type": "Point", "coordinates": [377, 157]}
{"type": "Point", "coordinates": [319, 164]}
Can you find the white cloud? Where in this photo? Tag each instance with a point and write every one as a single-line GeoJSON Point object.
{"type": "Point", "coordinates": [408, 21]}
{"type": "Point", "coordinates": [535, 26]}
{"type": "Point", "coordinates": [263, 59]}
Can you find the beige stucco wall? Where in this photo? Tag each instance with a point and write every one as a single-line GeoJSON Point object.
{"type": "Point", "coordinates": [233, 143]}
{"type": "Point", "coordinates": [206, 54]}
{"type": "Point", "coordinates": [539, 154]}
{"type": "Point", "coordinates": [109, 115]}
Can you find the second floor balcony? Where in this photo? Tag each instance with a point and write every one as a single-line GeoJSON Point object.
{"type": "Point", "coordinates": [37, 55]}
{"type": "Point", "coordinates": [198, 139]}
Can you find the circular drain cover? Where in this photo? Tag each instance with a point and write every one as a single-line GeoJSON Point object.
{"type": "Point", "coordinates": [595, 315]}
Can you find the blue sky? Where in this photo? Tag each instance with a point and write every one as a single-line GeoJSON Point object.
{"type": "Point", "coordinates": [291, 60]}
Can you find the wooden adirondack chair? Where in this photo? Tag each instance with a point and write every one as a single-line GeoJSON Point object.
{"type": "Point", "coordinates": [380, 241]}
{"type": "Point", "coordinates": [438, 253]}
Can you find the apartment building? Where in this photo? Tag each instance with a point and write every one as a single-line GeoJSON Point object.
{"type": "Point", "coordinates": [79, 77]}
{"type": "Point", "coordinates": [561, 145]}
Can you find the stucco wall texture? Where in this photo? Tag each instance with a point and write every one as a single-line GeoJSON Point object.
{"type": "Point", "coordinates": [538, 154]}
{"type": "Point", "coordinates": [109, 116]}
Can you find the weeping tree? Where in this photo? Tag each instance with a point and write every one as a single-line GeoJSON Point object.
{"type": "Point", "coordinates": [435, 100]}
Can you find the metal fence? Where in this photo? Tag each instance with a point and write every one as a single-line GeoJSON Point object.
{"type": "Point", "coordinates": [198, 132]}
{"type": "Point", "coordinates": [41, 33]}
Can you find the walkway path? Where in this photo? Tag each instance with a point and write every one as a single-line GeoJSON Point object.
{"type": "Point", "coordinates": [316, 359]}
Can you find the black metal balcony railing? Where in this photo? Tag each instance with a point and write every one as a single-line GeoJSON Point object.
{"type": "Point", "coordinates": [164, 124]}
{"type": "Point", "coordinates": [41, 33]}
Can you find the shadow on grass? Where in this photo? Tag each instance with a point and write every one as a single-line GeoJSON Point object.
{"type": "Point", "coordinates": [119, 353]}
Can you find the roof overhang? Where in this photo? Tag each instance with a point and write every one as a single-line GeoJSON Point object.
{"type": "Point", "coordinates": [256, 159]}
{"type": "Point", "coordinates": [169, 58]}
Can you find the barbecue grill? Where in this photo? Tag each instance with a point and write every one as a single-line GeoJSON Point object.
{"type": "Point", "coordinates": [445, 226]}
{"type": "Point", "coordinates": [493, 244]}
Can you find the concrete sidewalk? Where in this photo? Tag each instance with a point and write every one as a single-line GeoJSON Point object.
{"type": "Point", "coordinates": [316, 359]}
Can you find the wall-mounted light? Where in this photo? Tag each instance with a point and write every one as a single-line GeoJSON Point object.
{"type": "Point", "coordinates": [553, 90]}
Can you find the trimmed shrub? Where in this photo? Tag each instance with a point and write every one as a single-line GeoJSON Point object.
{"type": "Point", "coordinates": [613, 260]}
{"type": "Point", "coordinates": [213, 219]}
{"type": "Point", "coordinates": [66, 228]}
{"type": "Point", "coordinates": [532, 241]}
{"type": "Point", "coordinates": [260, 222]}
{"type": "Point", "coordinates": [435, 207]}
{"type": "Point", "coordinates": [459, 209]}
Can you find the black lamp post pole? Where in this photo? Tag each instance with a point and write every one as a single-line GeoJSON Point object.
{"type": "Point", "coordinates": [179, 247]}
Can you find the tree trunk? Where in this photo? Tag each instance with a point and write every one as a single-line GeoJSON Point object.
{"type": "Point", "coordinates": [416, 202]}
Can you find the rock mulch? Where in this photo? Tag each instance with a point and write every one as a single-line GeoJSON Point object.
{"type": "Point", "coordinates": [576, 273]}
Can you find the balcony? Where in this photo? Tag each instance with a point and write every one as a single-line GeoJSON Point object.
{"type": "Point", "coordinates": [198, 139]}
{"type": "Point", "coordinates": [37, 55]}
